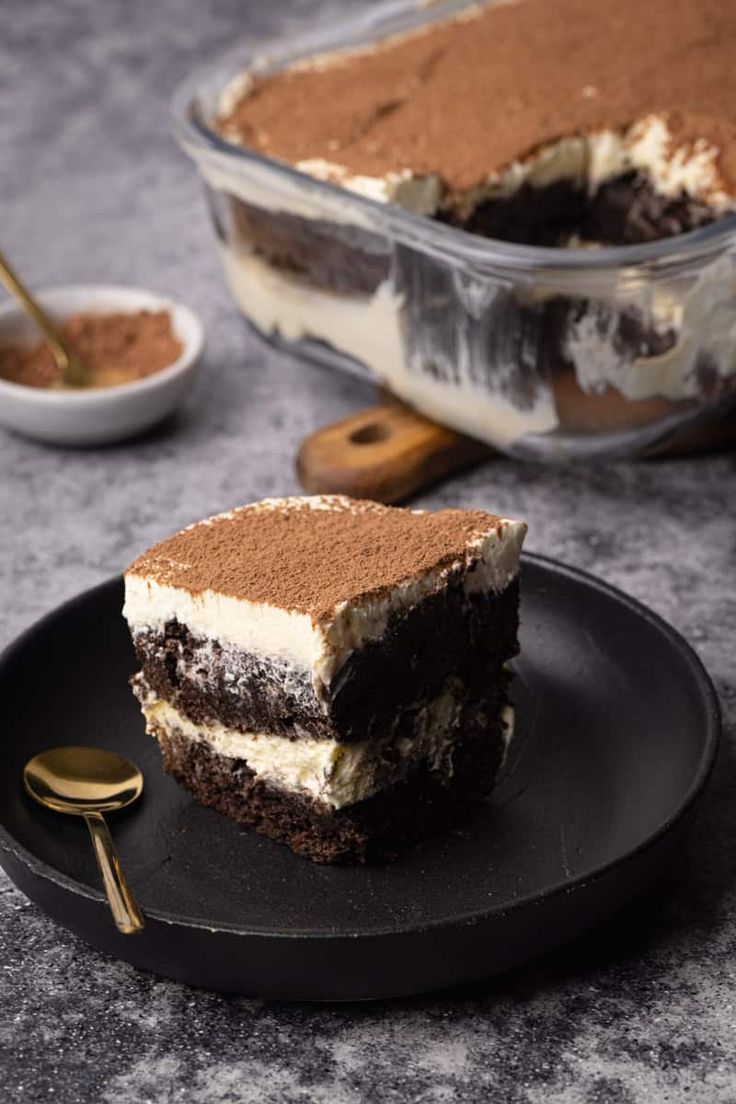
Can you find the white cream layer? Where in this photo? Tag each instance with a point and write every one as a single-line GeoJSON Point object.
{"type": "Point", "coordinates": [334, 774]}
{"type": "Point", "coordinates": [319, 647]}
{"type": "Point", "coordinates": [370, 330]}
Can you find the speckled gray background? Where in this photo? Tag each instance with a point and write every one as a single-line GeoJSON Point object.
{"type": "Point", "coordinates": [93, 189]}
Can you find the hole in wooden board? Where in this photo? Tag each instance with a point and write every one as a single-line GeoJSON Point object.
{"type": "Point", "coordinates": [370, 434]}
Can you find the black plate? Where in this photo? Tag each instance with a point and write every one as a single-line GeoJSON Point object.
{"type": "Point", "coordinates": [617, 728]}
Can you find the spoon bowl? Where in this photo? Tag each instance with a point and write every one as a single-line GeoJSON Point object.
{"type": "Point", "coordinates": [82, 780]}
{"type": "Point", "coordinates": [87, 782]}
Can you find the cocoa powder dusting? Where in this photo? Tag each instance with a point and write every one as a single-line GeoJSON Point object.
{"type": "Point", "coordinates": [289, 554]}
{"type": "Point", "coordinates": [468, 97]}
{"type": "Point", "coordinates": [117, 348]}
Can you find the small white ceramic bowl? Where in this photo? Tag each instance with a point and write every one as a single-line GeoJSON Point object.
{"type": "Point", "coordinates": [104, 414]}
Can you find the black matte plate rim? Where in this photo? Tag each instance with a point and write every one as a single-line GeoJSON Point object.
{"type": "Point", "coordinates": [710, 737]}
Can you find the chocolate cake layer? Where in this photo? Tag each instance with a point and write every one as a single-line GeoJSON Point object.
{"type": "Point", "coordinates": [449, 634]}
{"type": "Point", "coordinates": [629, 209]}
{"type": "Point", "coordinates": [375, 829]}
{"type": "Point", "coordinates": [623, 211]}
{"type": "Point", "coordinates": [329, 256]}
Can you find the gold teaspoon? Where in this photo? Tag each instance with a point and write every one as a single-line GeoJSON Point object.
{"type": "Point", "coordinates": [74, 373]}
{"type": "Point", "coordinates": [88, 782]}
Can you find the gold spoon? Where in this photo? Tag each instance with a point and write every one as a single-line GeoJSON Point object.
{"type": "Point", "coordinates": [74, 372]}
{"type": "Point", "coordinates": [88, 782]}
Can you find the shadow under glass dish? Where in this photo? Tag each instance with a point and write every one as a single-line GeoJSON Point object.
{"type": "Point", "coordinates": [616, 731]}
{"type": "Point", "coordinates": [544, 352]}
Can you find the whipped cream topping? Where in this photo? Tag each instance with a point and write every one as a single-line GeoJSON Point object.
{"type": "Point", "coordinates": [490, 562]}
{"type": "Point", "coordinates": [420, 194]}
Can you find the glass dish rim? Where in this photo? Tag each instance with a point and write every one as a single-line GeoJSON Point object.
{"type": "Point", "coordinates": [452, 244]}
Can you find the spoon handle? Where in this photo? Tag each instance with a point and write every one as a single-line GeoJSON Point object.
{"type": "Point", "coordinates": [73, 371]}
{"type": "Point", "coordinates": [125, 911]}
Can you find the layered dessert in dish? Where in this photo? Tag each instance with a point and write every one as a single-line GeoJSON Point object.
{"type": "Point", "coordinates": [555, 123]}
{"type": "Point", "coordinates": [332, 673]}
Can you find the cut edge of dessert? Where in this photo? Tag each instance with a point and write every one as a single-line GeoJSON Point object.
{"type": "Point", "coordinates": [329, 672]}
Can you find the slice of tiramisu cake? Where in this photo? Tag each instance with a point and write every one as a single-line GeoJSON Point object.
{"type": "Point", "coordinates": [331, 673]}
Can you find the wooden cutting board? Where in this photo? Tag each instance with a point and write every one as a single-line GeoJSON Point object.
{"type": "Point", "coordinates": [386, 452]}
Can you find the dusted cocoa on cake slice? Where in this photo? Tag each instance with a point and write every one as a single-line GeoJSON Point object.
{"type": "Point", "coordinates": [329, 672]}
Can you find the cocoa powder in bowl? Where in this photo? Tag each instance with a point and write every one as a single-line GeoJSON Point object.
{"type": "Point", "coordinates": [116, 347]}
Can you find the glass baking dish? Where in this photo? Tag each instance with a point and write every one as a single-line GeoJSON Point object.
{"type": "Point", "coordinates": [542, 352]}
